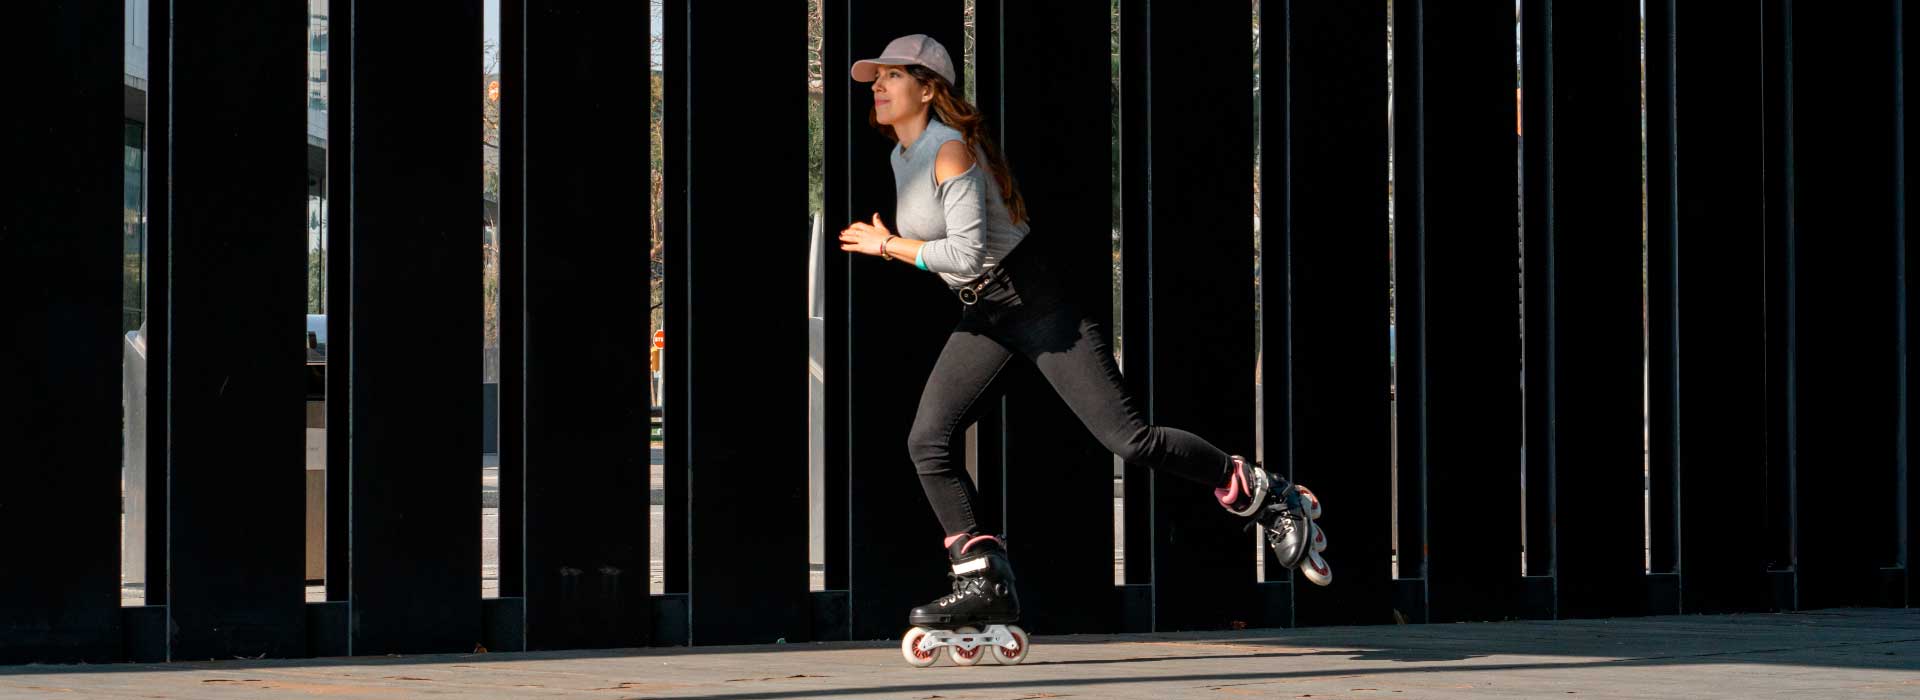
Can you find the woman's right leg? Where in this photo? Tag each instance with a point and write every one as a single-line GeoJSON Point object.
{"type": "Point", "coordinates": [958, 390]}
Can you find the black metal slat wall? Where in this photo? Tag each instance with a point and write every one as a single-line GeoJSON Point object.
{"type": "Point", "coordinates": [159, 162]}
{"type": "Point", "coordinates": [991, 447]}
{"type": "Point", "coordinates": [1776, 164]}
{"type": "Point", "coordinates": [837, 113]}
{"type": "Point", "coordinates": [415, 413]}
{"type": "Point", "coordinates": [738, 271]}
{"type": "Point", "coordinates": [1776, 299]}
{"type": "Point", "coordinates": [1842, 247]}
{"type": "Point", "coordinates": [236, 365]}
{"type": "Point", "coordinates": [1053, 126]}
{"type": "Point", "coordinates": [1536, 297]}
{"type": "Point", "coordinates": [1337, 209]}
{"type": "Point", "coordinates": [60, 359]}
{"type": "Point", "coordinates": [1593, 364]}
{"type": "Point", "coordinates": [512, 246]}
{"type": "Point", "coordinates": [586, 412]}
{"type": "Point", "coordinates": [1661, 300]}
{"type": "Point", "coordinates": [1275, 287]}
{"type": "Point", "coordinates": [1906, 194]}
{"type": "Point", "coordinates": [340, 294]}
{"type": "Point", "coordinates": [675, 124]}
{"type": "Point", "coordinates": [1189, 290]}
{"type": "Point", "coordinates": [1457, 290]}
{"type": "Point", "coordinates": [1717, 271]}
{"type": "Point", "coordinates": [1135, 165]}
{"type": "Point", "coordinates": [1409, 294]}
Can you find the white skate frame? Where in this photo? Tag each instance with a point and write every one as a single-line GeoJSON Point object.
{"type": "Point", "coordinates": [994, 636]}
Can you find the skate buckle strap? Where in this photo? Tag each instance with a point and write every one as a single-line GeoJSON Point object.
{"type": "Point", "coordinates": [968, 567]}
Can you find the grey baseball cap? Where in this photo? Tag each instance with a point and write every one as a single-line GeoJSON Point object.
{"type": "Point", "coordinates": [909, 50]}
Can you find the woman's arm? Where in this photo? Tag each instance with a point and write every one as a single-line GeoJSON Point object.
{"type": "Point", "coordinates": [962, 189]}
{"type": "Point", "coordinates": [866, 238]}
{"type": "Point", "coordinates": [963, 250]}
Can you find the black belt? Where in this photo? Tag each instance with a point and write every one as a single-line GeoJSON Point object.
{"type": "Point", "coordinates": [970, 292]}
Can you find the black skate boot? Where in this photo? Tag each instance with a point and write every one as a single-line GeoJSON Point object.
{"type": "Point", "coordinates": [1284, 511]}
{"type": "Point", "coordinates": [982, 587]}
{"type": "Point", "coordinates": [982, 597]}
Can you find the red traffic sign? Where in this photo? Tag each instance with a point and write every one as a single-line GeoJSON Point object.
{"type": "Point", "coordinates": [660, 340]}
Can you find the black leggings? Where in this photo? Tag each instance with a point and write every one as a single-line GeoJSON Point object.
{"type": "Point", "coordinates": [1024, 313]}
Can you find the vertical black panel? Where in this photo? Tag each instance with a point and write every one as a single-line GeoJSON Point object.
{"type": "Point", "coordinates": [992, 447]}
{"type": "Point", "coordinates": [340, 116]}
{"type": "Point", "coordinates": [513, 294]}
{"type": "Point", "coordinates": [158, 163]}
{"type": "Point", "coordinates": [1536, 288]}
{"type": "Point", "coordinates": [415, 416]}
{"type": "Point", "coordinates": [237, 348]}
{"type": "Point", "coordinates": [1135, 123]}
{"type": "Point", "coordinates": [1337, 96]}
{"type": "Point", "coordinates": [1409, 292]}
{"type": "Point", "coordinates": [747, 554]}
{"type": "Point", "coordinates": [1054, 128]}
{"type": "Point", "coordinates": [1455, 247]}
{"type": "Point", "coordinates": [586, 417]}
{"type": "Point", "coordinates": [1718, 271]}
{"type": "Point", "coordinates": [885, 321]}
{"type": "Point", "coordinates": [1275, 377]}
{"type": "Point", "coordinates": [1911, 538]}
{"type": "Point", "coordinates": [1777, 160]}
{"type": "Point", "coordinates": [1594, 361]}
{"type": "Point", "coordinates": [1662, 280]}
{"type": "Point", "coordinates": [1189, 285]}
{"type": "Point", "coordinates": [675, 124]}
{"type": "Point", "coordinates": [838, 125]}
{"type": "Point", "coordinates": [61, 356]}
{"type": "Point", "coordinates": [1842, 66]}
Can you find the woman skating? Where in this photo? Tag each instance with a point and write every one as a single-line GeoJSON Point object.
{"type": "Point", "coordinates": [960, 215]}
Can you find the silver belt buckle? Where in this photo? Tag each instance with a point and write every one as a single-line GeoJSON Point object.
{"type": "Point", "coordinates": [968, 296]}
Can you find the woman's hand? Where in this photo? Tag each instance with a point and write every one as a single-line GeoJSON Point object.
{"type": "Point", "coordinates": [862, 237]}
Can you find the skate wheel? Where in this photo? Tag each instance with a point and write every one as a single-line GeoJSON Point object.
{"type": "Point", "coordinates": [964, 657]}
{"type": "Point", "coordinates": [1316, 569]}
{"type": "Point", "coordinates": [1313, 502]}
{"type": "Point", "coordinates": [1020, 645]}
{"type": "Point", "coordinates": [1319, 538]}
{"type": "Point", "coordinates": [910, 648]}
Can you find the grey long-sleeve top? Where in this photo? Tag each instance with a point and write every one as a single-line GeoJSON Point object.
{"type": "Point", "coordinates": [963, 221]}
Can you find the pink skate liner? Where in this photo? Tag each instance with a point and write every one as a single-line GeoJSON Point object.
{"type": "Point", "coordinates": [977, 540]}
{"type": "Point", "coordinates": [1236, 485]}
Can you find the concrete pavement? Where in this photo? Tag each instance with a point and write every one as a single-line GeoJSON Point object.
{"type": "Point", "coordinates": [1837, 653]}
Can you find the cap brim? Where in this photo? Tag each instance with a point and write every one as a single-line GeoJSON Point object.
{"type": "Point", "coordinates": [866, 70]}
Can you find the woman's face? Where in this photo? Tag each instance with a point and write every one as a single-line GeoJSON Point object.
{"type": "Point", "coordinates": [897, 96]}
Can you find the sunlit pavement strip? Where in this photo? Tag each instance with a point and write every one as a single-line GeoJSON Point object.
{"type": "Point", "coordinates": [1840, 653]}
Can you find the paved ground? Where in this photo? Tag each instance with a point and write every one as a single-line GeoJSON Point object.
{"type": "Point", "coordinates": [1843, 653]}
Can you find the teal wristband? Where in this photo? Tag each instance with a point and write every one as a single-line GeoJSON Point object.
{"type": "Point", "coordinates": [919, 259]}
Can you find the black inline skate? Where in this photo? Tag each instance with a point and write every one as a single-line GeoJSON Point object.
{"type": "Point", "coordinates": [976, 617]}
{"type": "Point", "coordinates": [1285, 512]}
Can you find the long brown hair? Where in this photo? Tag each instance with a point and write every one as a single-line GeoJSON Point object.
{"type": "Point", "coordinates": [954, 110]}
